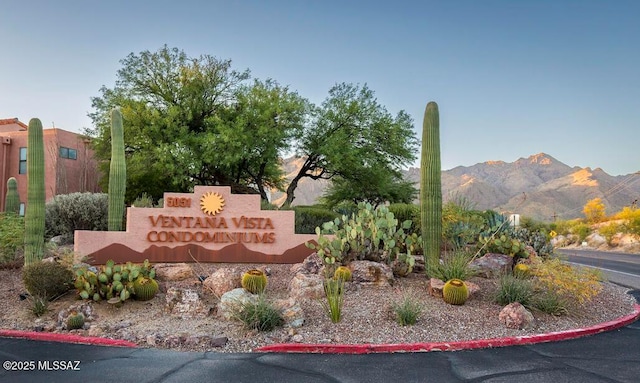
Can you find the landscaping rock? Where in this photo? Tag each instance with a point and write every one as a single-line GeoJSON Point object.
{"type": "Point", "coordinates": [516, 316]}
{"type": "Point", "coordinates": [371, 273]}
{"type": "Point", "coordinates": [310, 265]}
{"type": "Point", "coordinates": [435, 287]}
{"type": "Point", "coordinates": [222, 280]}
{"type": "Point", "coordinates": [173, 271]}
{"type": "Point", "coordinates": [306, 286]}
{"type": "Point", "coordinates": [232, 300]}
{"type": "Point", "coordinates": [291, 311]}
{"type": "Point", "coordinates": [492, 265]}
{"type": "Point", "coordinates": [185, 303]}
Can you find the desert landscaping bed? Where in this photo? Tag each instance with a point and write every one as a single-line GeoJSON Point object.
{"type": "Point", "coordinates": [367, 315]}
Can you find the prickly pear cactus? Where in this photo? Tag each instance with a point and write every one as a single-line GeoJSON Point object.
{"type": "Point", "coordinates": [430, 185]}
{"type": "Point", "coordinates": [455, 292]}
{"type": "Point", "coordinates": [254, 281]}
{"type": "Point", "coordinates": [117, 173]}
{"type": "Point", "coordinates": [34, 214]}
{"type": "Point", "coordinates": [12, 199]}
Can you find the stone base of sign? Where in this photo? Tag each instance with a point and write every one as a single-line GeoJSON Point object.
{"type": "Point", "coordinates": [208, 225]}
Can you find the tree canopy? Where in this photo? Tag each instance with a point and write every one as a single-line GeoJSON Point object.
{"type": "Point", "coordinates": [197, 121]}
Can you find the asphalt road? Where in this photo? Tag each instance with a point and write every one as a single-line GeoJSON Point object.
{"type": "Point", "coordinates": [620, 268]}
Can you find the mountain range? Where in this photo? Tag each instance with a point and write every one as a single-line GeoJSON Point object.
{"type": "Point", "coordinates": [539, 186]}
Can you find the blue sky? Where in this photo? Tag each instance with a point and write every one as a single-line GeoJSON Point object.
{"type": "Point", "coordinates": [511, 78]}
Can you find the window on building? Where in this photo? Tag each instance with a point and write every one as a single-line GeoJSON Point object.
{"type": "Point", "coordinates": [22, 164]}
{"type": "Point", "coordinates": [69, 153]}
{"type": "Point", "coordinates": [21, 212]}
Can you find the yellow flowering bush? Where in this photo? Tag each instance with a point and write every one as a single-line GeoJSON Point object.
{"type": "Point", "coordinates": [573, 283]}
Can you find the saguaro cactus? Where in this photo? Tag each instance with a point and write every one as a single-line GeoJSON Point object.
{"type": "Point", "coordinates": [117, 173]}
{"type": "Point", "coordinates": [34, 214]}
{"type": "Point", "coordinates": [12, 199]}
{"type": "Point", "coordinates": [430, 184]}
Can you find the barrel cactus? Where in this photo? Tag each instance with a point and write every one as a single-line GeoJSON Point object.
{"type": "Point", "coordinates": [117, 173]}
{"type": "Point", "coordinates": [342, 272]}
{"type": "Point", "coordinates": [254, 281]}
{"type": "Point", "coordinates": [12, 199]}
{"type": "Point", "coordinates": [75, 320]}
{"type": "Point", "coordinates": [455, 292]}
{"type": "Point", "coordinates": [34, 214]}
{"type": "Point", "coordinates": [430, 185]}
{"type": "Point", "coordinates": [144, 288]}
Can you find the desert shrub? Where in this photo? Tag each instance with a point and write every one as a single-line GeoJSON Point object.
{"type": "Point", "coordinates": [144, 200]}
{"type": "Point", "coordinates": [407, 310]}
{"type": "Point", "coordinates": [407, 212]}
{"type": "Point", "coordinates": [633, 226]}
{"type": "Point", "coordinates": [454, 265]}
{"type": "Point", "coordinates": [47, 280]}
{"type": "Point", "coordinates": [513, 289]}
{"type": "Point", "coordinates": [11, 238]}
{"type": "Point", "coordinates": [260, 315]}
{"type": "Point", "coordinates": [549, 302]}
{"type": "Point", "coordinates": [310, 217]}
{"type": "Point", "coordinates": [609, 230]}
{"type": "Point", "coordinates": [582, 230]}
{"type": "Point", "coordinates": [572, 283]}
{"type": "Point", "coordinates": [76, 211]}
{"type": "Point", "coordinates": [534, 225]}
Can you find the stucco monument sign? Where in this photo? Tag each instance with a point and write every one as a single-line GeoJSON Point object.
{"type": "Point", "coordinates": [208, 225]}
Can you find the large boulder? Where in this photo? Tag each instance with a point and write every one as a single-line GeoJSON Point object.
{"type": "Point", "coordinates": [222, 280]}
{"type": "Point", "coordinates": [371, 273]}
{"type": "Point", "coordinates": [185, 303]}
{"type": "Point", "coordinates": [516, 316]}
{"type": "Point", "coordinates": [311, 265]}
{"type": "Point", "coordinates": [492, 265]}
{"type": "Point", "coordinates": [173, 271]}
{"type": "Point", "coordinates": [291, 311]}
{"type": "Point", "coordinates": [306, 286]}
{"type": "Point", "coordinates": [232, 301]}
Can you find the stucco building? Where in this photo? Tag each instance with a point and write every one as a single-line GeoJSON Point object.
{"type": "Point", "coordinates": [68, 158]}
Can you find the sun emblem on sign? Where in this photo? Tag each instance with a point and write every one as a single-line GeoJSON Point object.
{"type": "Point", "coordinates": [211, 203]}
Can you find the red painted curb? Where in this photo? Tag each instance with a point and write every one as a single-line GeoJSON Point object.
{"type": "Point", "coordinates": [65, 338]}
{"type": "Point", "coordinates": [452, 346]}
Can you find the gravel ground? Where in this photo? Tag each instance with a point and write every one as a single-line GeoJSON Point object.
{"type": "Point", "coordinates": [367, 316]}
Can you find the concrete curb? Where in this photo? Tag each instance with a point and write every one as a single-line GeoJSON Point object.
{"type": "Point", "coordinates": [452, 346]}
{"type": "Point", "coordinates": [358, 348]}
{"type": "Point", "coordinates": [65, 338]}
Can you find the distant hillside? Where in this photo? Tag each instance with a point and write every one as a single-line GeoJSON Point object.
{"type": "Point", "coordinates": [539, 186]}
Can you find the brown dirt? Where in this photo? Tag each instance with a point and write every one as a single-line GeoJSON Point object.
{"type": "Point", "coordinates": [367, 316]}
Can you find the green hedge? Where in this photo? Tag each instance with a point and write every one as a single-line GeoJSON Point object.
{"type": "Point", "coordinates": [407, 211]}
{"type": "Point", "coordinates": [310, 217]}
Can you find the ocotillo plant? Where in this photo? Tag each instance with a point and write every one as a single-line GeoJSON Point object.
{"type": "Point", "coordinates": [34, 214]}
{"type": "Point", "coordinates": [12, 199]}
{"type": "Point", "coordinates": [430, 185]}
{"type": "Point", "coordinates": [117, 173]}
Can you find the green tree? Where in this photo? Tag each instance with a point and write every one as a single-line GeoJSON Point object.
{"type": "Point", "coordinates": [195, 121]}
{"type": "Point", "coordinates": [351, 133]}
{"type": "Point", "coordinates": [374, 185]}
